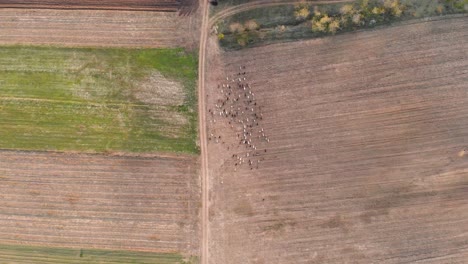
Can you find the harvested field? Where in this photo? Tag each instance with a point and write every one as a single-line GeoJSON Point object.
{"type": "Point", "coordinates": [144, 5]}
{"type": "Point", "coordinates": [368, 157]}
{"type": "Point", "coordinates": [95, 28]}
{"type": "Point", "coordinates": [93, 201]}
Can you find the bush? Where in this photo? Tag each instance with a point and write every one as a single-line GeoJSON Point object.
{"type": "Point", "coordinates": [371, 12]}
{"type": "Point", "coordinates": [347, 10]}
{"type": "Point", "coordinates": [302, 13]}
{"type": "Point", "coordinates": [301, 21]}
{"type": "Point", "coordinates": [251, 25]}
{"type": "Point", "coordinates": [236, 27]}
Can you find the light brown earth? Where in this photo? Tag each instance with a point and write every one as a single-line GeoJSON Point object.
{"type": "Point", "coordinates": [96, 201]}
{"type": "Point", "coordinates": [97, 28]}
{"type": "Point", "coordinates": [148, 5]}
{"type": "Point", "coordinates": [202, 132]}
{"type": "Point", "coordinates": [367, 160]}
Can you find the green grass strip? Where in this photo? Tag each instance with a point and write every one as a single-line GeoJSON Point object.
{"type": "Point", "coordinates": [77, 99]}
{"type": "Point", "coordinates": [49, 255]}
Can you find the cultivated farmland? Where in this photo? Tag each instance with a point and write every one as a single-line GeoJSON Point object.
{"type": "Point", "coordinates": [92, 28]}
{"type": "Point", "coordinates": [141, 5]}
{"type": "Point", "coordinates": [98, 142]}
{"type": "Point", "coordinates": [97, 100]}
{"type": "Point", "coordinates": [367, 159]}
{"type": "Point", "coordinates": [92, 201]}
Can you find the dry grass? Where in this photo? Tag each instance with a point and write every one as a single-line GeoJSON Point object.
{"type": "Point", "coordinates": [158, 90]}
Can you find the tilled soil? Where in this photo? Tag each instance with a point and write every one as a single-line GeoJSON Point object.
{"type": "Point", "coordinates": [95, 28]}
{"type": "Point", "coordinates": [368, 157]}
{"type": "Point", "coordinates": [96, 201]}
{"type": "Point", "coordinates": [148, 5]}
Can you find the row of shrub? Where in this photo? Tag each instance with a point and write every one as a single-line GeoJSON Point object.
{"type": "Point", "coordinates": [368, 13]}
{"type": "Point", "coordinates": [305, 21]}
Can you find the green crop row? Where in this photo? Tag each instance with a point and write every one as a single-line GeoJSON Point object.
{"type": "Point", "coordinates": [49, 255]}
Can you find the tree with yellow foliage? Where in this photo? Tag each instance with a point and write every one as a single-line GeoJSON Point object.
{"type": "Point", "coordinates": [378, 10]}
{"type": "Point", "coordinates": [326, 24]}
{"type": "Point", "coordinates": [394, 7]}
{"type": "Point", "coordinates": [347, 10]}
{"type": "Point", "coordinates": [325, 19]}
{"type": "Point", "coordinates": [317, 26]}
{"type": "Point", "coordinates": [334, 26]}
{"type": "Point", "coordinates": [397, 11]}
{"type": "Point", "coordinates": [302, 13]}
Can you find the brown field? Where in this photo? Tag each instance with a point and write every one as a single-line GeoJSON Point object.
{"type": "Point", "coordinates": [368, 154]}
{"type": "Point", "coordinates": [146, 5]}
{"type": "Point", "coordinates": [94, 201]}
{"type": "Point", "coordinates": [96, 28]}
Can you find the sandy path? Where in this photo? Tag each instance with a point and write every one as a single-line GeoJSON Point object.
{"type": "Point", "coordinates": [202, 134]}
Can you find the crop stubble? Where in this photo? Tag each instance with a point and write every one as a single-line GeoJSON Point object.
{"type": "Point", "coordinates": [368, 155]}
{"type": "Point", "coordinates": [95, 201]}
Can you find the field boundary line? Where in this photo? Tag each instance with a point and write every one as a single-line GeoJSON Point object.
{"type": "Point", "coordinates": [94, 103]}
{"type": "Point", "coordinates": [116, 154]}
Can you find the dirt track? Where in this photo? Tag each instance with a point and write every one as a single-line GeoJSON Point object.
{"type": "Point", "coordinates": [368, 155]}
{"type": "Point", "coordinates": [205, 185]}
{"type": "Point", "coordinates": [141, 5]}
{"type": "Point", "coordinates": [95, 28]}
{"type": "Point", "coordinates": [94, 201]}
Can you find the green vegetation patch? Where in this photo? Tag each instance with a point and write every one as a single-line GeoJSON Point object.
{"type": "Point", "coordinates": [303, 21]}
{"type": "Point", "coordinates": [48, 255]}
{"type": "Point", "coordinates": [98, 100]}
{"type": "Point", "coordinates": [223, 4]}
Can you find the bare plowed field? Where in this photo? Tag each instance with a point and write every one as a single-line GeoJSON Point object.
{"type": "Point", "coordinates": [105, 202]}
{"type": "Point", "coordinates": [368, 154]}
{"type": "Point", "coordinates": [94, 28]}
{"type": "Point", "coordinates": [147, 5]}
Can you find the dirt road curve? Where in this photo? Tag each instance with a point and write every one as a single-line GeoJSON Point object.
{"type": "Point", "coordinates": [134, 5]}
{"type": "Point", "coordinates": [96, 201]}
{"type": "Point", "coordinates": [203, 144]}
